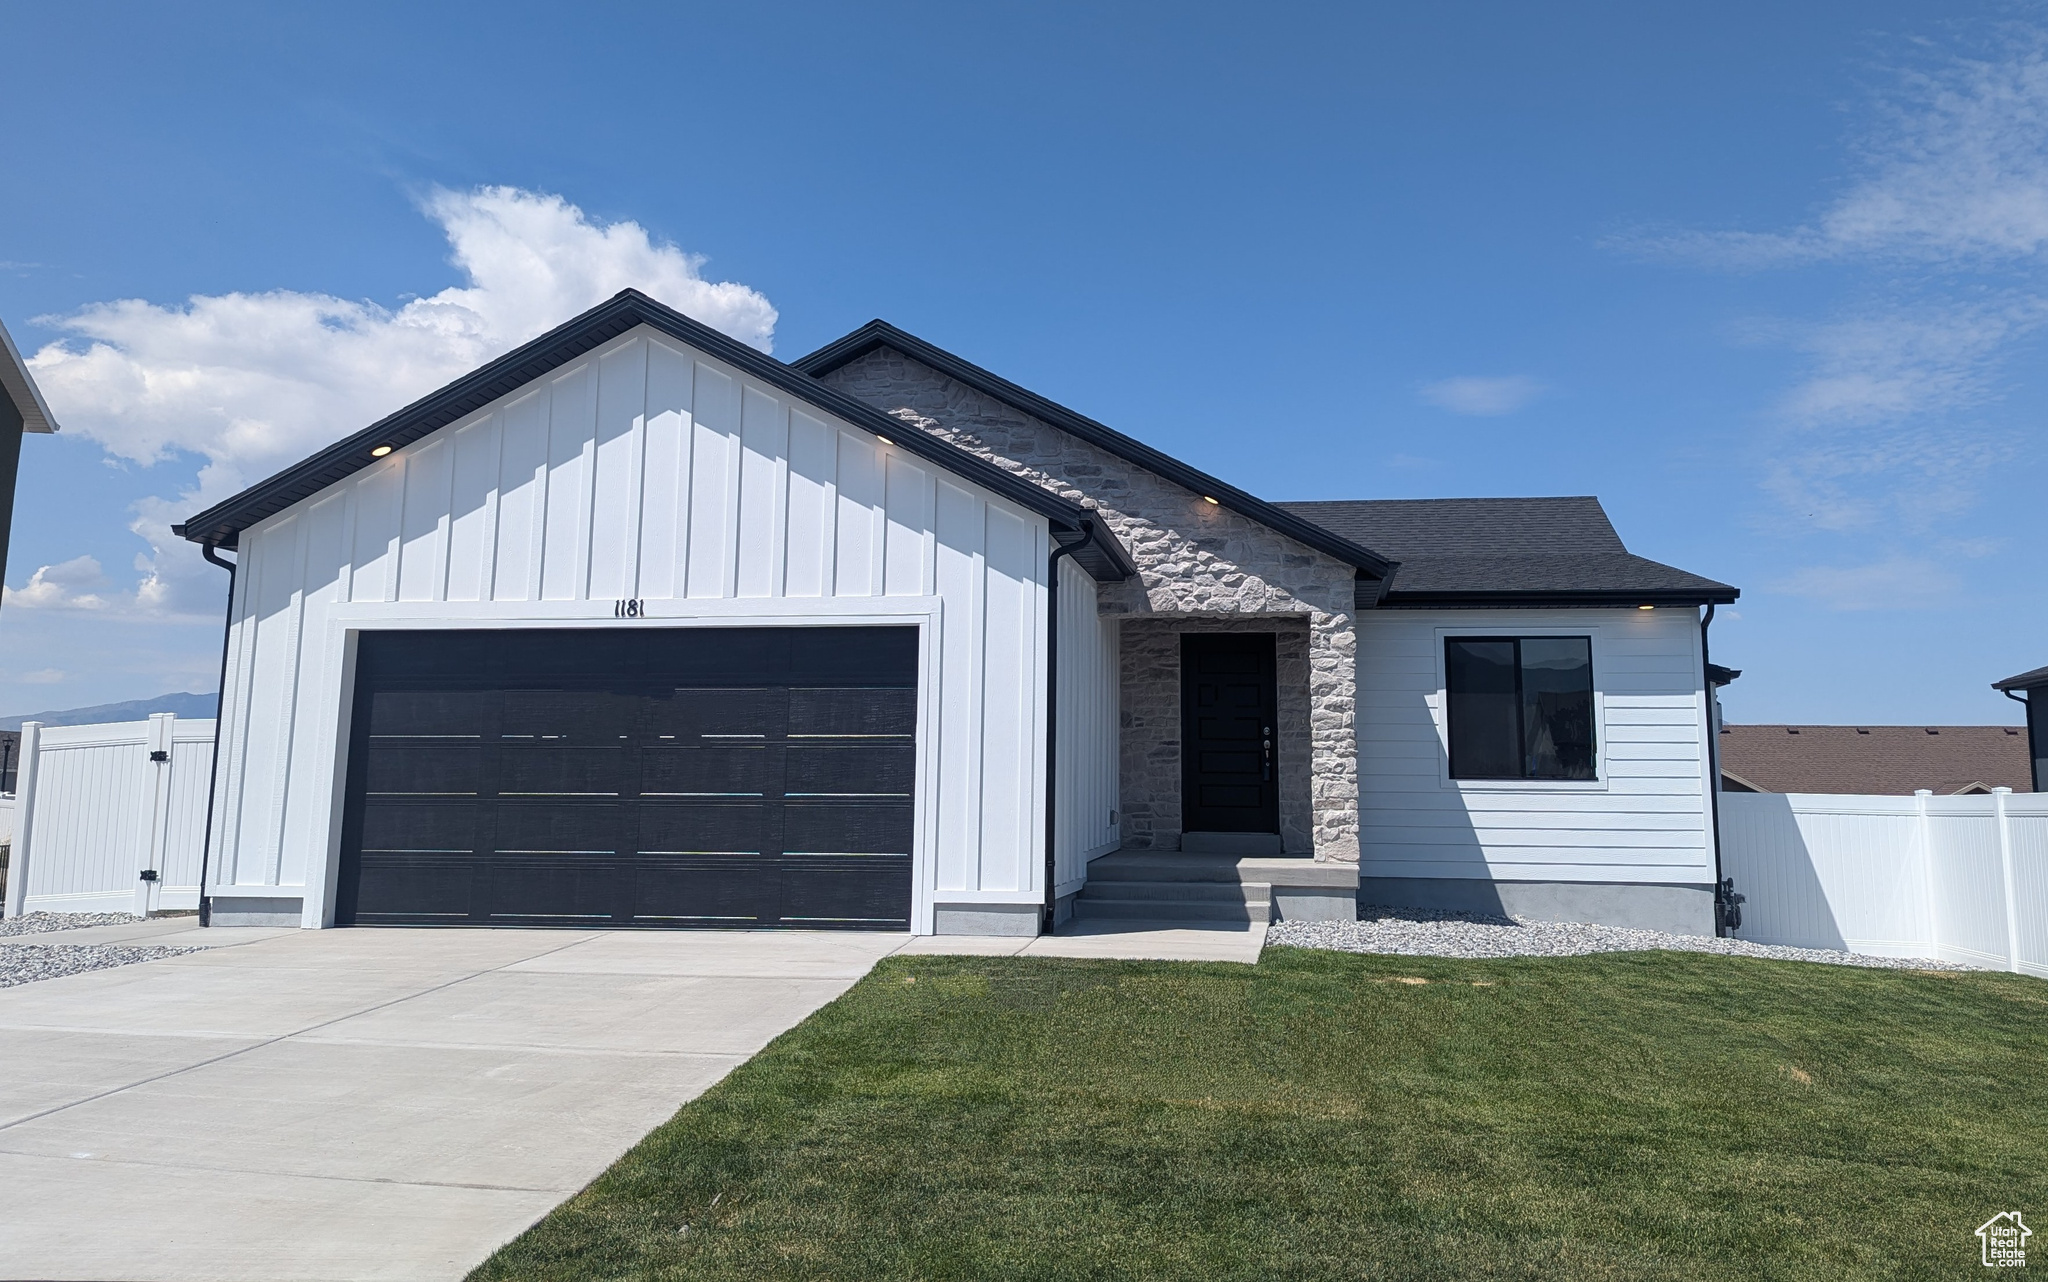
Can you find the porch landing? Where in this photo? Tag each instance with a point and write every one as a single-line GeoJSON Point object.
{"type": "Point", "coordinates": [1180, 886]}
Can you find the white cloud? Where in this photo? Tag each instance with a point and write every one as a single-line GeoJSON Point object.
{"type": "Point", "coordinates": [43, 677]}
{"type": "Point", "coordinates": [1954, 167]}
{"type": "Point", "coordinates": [1483, 397]}
{"type": "Point", "coordinates": [1895, 583]}
{"type": "Point", "coordinates": [58, 587]}
{"type": "Point", "coordinates": [251, 383]}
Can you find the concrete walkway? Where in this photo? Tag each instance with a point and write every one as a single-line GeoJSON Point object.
{"type": "Point", "coordinates": [388, 1104]}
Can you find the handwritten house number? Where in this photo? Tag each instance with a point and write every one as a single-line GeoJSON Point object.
{"type": "Point", "coordinates": [630, 608]}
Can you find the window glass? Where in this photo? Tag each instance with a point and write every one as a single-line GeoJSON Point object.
{"type": "Point", "coordinates": [1486, 740]}
{"type": "Point", "coordinates": [1520, 707]}
{"type": "Point", "coordinates": [1557, 707]}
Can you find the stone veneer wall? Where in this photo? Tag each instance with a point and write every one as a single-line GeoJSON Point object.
{"type": "Point", "coordinates": [1196, 562]}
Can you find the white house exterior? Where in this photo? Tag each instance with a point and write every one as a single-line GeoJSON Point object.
{"type": "Point", "coordinates": [638, 626]}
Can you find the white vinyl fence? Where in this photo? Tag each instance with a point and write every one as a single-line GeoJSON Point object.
{"type": "Point", "coordinates": [1960, 879]}
{"type": "Point", "coordinates": [98, 808]}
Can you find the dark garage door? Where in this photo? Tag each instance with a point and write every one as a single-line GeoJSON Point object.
{"type": "Point", "coordinates": [632, 777]}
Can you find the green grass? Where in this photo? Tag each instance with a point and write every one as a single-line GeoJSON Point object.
{"type": "Point", "coordinates": [1647, 1115]}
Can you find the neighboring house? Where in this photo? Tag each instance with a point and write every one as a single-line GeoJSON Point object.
{"type": "Point", "coordinates": [1874, 760]}
{"type": "Point", "coordinates": [639, 626]}
{"type": "Point", "coordinates": [21, 410]}
{"type": "Point", "coordinates": [2031, 688]}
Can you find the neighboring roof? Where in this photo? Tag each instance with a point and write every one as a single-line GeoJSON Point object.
{"type": "Point", "coordinates": [878, 334]}
{"type": "Point", "coordinates": [21, 389]}
{"type": "Point", "coordinates": [222, 524]}
{"type": "Point", "coordinates": [1876, 760]}
{"type": "Point", "coordinates": [1558, 551]}
{"type": "Point", "coordinates": [2024, 681]}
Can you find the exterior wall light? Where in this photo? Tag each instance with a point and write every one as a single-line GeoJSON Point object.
{"type": "Point", "coordinates": [380, 451]}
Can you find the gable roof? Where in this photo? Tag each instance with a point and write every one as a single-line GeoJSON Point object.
{"type": "Point", "coordinates": [1534, 551]}
{"type": "Point", "coordinates": [21, 390]}
{"type": "Point", "coordinates": [1875, 760]}
{"type": "Point", "coordinates": [221, 525]}
{"type": "Point", "coordinates": [878, 334]}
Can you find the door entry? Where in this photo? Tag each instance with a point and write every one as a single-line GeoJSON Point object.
{"type": "Point", "coordinates": [1230, 779]}
{"type": "Point", "coordinates": [647, 777]}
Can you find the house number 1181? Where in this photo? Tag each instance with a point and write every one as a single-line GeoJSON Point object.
{"type": "Point", "coordinates": [631, 608]}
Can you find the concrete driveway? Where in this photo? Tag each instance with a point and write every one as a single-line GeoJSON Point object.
{"type": "Point", "coordinates": [390, 1104]}
{"type": "Point", "coordinates": [362, 1104]}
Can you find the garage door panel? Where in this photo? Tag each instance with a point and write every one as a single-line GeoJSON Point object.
{"type": "Point", "coordinates": [645, 776]}
{"type": "Point", "coordinates": [395, 888]}
{"type": "Point", "coordinates": [871, 891]}
{"type": "Point", "coordinates": [692, 714]}
{"type": "Point", "coordinates": [541, 826]}
{"type": "Point", "coordinates": [686, 827]}
{"type": "Point", "coordinates": [738, 890]}
{"type": "Point", "coordinates": [856, 712]}
{"type": "Point", "coordinates": [846, 827]}
{"type": "Point", "coordinates": [734, 771]}
{"type": "Point", "coordinates": [850, 769]}
{"type": "Point", "coordinates": [549, 770]}
{"type": "Point", "coordinates": [460, 713]}
{"type": "Point", "coordinates": [541, 888]}
{"type": "Point", "coordinates": [419, 824]}
{"type": "Point", "coordinates": [408, 767]}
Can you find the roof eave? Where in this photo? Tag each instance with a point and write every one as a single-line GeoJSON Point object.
{"type": "Point", "coordinates": [21, 388]}
{"type": "Point", "coordinates": [1719, 594]}
{"type": "Point", "coordinates": [879, 333]}
{"type": "Point", "coordinates": [222, 524]}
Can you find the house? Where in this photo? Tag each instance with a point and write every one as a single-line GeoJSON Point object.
{"type": "Point", "coordinates": [1873, 760]}
{"type": "Point", "coordinates": [2031, 689]}
{"type": "Point", "coordinates": [22, 410]}
{"type": "Point", "coordinates": [639, 626]}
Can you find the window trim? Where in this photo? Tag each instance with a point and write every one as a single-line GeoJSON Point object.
{"type": "Point", "coordinates": [1440, 708]}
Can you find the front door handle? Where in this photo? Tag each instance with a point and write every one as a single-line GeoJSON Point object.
{"type": "Point", "coordinates": [1266, 756]}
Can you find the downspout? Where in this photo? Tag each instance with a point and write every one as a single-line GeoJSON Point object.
{"type": "Point", "coordinates": [2033, 749]}
{"type": "Point", "coordinates": [1052, 718]}
{"type": "Point", "coordinates": [1727, 910]}
{"type": "Point", "coordinates": [219, 716]}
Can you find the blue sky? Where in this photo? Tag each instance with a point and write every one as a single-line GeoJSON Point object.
{"type": "Point", "coordinates": [1768, 279]}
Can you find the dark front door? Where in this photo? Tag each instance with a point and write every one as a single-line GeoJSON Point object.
{"type": "Point", "coordinates": [1228, 779]}
{"type": "Point", "coordinates": [632, 777]}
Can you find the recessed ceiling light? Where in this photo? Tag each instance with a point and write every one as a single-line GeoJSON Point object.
{"type": "Point", "coordinates": [1646, 607]}
{"type": "Point", "coordinates": [1207, 499]}
{"type": "Point", "coordinates": [380, 451]}
{"type": "Point", "coordinates": [885, 440]}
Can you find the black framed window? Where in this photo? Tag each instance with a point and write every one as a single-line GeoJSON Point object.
{"type": "Point", "coordinates": [1520, 707]}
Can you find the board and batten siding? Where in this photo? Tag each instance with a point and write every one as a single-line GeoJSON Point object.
{"type": "Point", "coordinates": [1645, 820]}
{"type": "Point", "coordinates": [1087, 726]}
{"type": "Point", "coordinates": [648, 470]}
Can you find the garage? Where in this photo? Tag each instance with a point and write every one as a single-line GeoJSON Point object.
{"type": "Point", "coordinates": [641, 777]}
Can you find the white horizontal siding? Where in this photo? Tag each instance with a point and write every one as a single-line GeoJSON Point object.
{"type": "Point", "coordinates": [1645, 819]}
{"type": "Point", "coordinates": [643, 469]}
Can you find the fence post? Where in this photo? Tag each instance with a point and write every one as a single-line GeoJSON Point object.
{"type": "Point", "coordinates": [24, 817]}
{"type": "Point", "coordinates": [1924, 838]}
{"type": "Point", "coordinates": [2012, 903]}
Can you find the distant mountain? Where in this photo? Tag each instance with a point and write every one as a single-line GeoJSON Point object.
{"type": "Point", "coordinates": [185, 705]}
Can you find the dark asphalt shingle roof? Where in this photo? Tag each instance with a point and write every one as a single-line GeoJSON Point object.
{"type": "Point", "coordinates": [1507, 548]}
{"type": "Point", "coordinates": [2024, 681]}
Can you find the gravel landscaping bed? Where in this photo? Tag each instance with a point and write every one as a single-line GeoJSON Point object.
{"type": "Point", "coordinates": [1414, 933]}
{"type": "Point", "coordinates": [26, 963]}
{"type": "Point", "coordinates": [37, 923]}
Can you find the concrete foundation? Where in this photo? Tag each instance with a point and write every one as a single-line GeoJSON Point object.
{"type": "Point", "coordinates": [987, 919]}
{"type": "Point", "coordinates": [229, 911]}
{"type": "Point", "coordinates": [1674, 909]}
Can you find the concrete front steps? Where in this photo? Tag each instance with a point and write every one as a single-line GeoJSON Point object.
{"type": "Point", "coordinates": [1168, 886]}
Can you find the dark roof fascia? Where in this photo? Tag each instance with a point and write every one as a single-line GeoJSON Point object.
{"type": "Point", "coordinates": [879, 333]}
{"type": "Point", "coordinates": [222, 524]}
{"type": "Point", "coordinates": [2024, 681]}
{"type": "Point", "coordinates": [1399, 600]}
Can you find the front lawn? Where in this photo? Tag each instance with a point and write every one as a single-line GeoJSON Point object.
{"type": "Point", "coordinates": [1329, 1115]}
